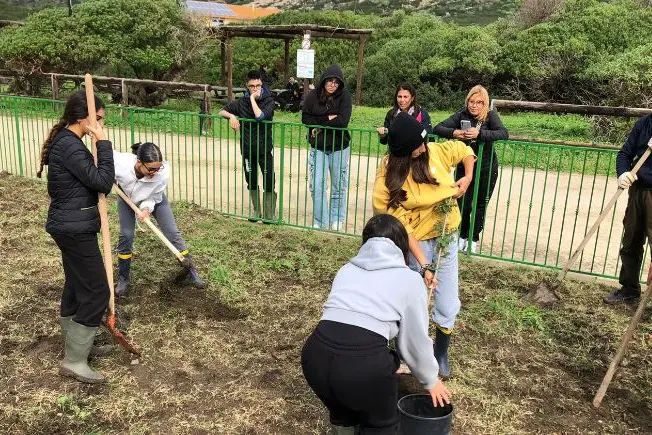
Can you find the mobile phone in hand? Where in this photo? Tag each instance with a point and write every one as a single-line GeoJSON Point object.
{"type": "Point", "coordinates": [465, 124]}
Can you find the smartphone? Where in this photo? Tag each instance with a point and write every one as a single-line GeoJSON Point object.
{"type": "Point", "coordinates": [466, 124]}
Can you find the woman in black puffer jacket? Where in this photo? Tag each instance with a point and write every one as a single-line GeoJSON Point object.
{"type": "Point", "coordinates": [475, 124]}
{"type": "Point", "coordinates": [74, 182]}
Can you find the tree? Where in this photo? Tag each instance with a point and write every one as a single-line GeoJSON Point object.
{"type": "Point", "coordinates": [148, 39]}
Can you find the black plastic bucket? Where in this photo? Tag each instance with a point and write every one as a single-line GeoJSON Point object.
{"type": "Point", "coordinates": [419, 416]}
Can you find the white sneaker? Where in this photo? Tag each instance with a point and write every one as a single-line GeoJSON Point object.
{"type": "Point", "coordinates": [462, 244]}
{"type": "Point", "coordinates": [403, 369]}
{"type": "Point", "coordinates": [474, 246]}
{"type": "Point", "coordinates": [337, 226]}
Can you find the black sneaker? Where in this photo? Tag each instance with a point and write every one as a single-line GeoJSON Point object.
{"type": "Point", "coordinates": [621, 296]}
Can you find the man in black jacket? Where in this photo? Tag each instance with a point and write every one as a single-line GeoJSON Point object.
{"type": "Point", "coordinates": [638, 215]}
{"type": "Point", "coordinates": [256, 141]}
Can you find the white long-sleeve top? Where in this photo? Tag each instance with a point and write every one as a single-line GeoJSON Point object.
{"type": "Point", "coordinates": [145, 192]}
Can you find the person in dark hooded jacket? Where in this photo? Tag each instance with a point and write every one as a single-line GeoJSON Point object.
{"type": "Point", "coordinates": [256, 141]}
{"type": "Point", "coordinates": [74, 182]}
{"type": "Point", "coordinates": [475, 124]}
{"type": "Point", "coordinates": [327, 112]}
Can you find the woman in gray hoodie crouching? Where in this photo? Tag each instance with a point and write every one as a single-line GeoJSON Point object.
{"type": "Point", "coordinates": [346, 360]}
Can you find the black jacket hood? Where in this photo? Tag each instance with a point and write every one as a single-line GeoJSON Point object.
{"type": "Point", "coordinates": [333, 71]}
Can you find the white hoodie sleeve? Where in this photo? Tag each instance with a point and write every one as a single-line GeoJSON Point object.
{"type": "Point", "coordinates": [414, 344]}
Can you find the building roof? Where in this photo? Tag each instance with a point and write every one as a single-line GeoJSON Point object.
{"type": "Point", "coordinates": [253, 13]}
{"type": "Point", "coordinates": [233, 12]}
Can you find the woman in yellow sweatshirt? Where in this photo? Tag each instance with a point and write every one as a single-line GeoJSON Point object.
{"type": "Point", "coordinates": [414, 183]}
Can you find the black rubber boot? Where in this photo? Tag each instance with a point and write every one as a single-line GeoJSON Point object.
{"type": "Point", "coordinates": [124, 267]}
{"type": "Point", "coordinates": [190, 276]}
{"type": "Point", "coordinates": [442, 342]}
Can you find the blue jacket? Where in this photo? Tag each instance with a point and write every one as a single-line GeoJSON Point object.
{"type": "Point", "coordinates": [634, 148]}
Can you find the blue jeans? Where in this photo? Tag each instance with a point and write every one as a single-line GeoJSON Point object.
{"type": "Point", "coordinates": [447, 299]}
{"type": "Point", "coordinates": [337, 164]}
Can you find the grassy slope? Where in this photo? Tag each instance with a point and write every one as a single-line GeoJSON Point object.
{"type": "Point", "coordinates": [227, 360]}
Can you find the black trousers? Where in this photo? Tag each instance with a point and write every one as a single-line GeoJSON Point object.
{"type": "Point", "coordinates": [86, 290]}
{"type": "Point", "coordinates": [638, 226]}
{"type": "Point", "coordinates": [256, 155]}
{"type": "Point", "coordinates": [353, 373]}
{"type": "Point", "coordinates": [488, 178]}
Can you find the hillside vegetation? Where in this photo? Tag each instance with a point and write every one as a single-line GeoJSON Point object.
{"type": "Point", "coordinates": [579, 51]}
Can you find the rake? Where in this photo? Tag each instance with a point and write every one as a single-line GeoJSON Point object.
{"type": "Point", "coordinates": [109, 323]}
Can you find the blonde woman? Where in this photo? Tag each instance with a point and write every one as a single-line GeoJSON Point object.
{"type": "Point", "coordinates": [475, 124]}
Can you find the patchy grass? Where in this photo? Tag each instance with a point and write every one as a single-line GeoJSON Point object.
{"type": "Point", "coordinates": [226, 360]}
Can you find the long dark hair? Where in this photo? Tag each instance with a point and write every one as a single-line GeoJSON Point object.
{"type": "Point", "coordinates": [398, 169]}
{"type": "Point", "coordinates": [405, 86]}
{"type": "Point", "coordinates": [386, 225]}
{"type": "Point", "coordinates": [147, 152]}
{"type": "Point", "coordinates": [76, 110]}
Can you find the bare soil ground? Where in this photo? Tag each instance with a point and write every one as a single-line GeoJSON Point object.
{"type": "Point", "coordinates": [533, 217]}
{"type": "Point", "coordinates": [226, 360]}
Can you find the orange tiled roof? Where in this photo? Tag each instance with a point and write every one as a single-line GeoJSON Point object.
{"type": "Point", "coordinates": [249, 13]}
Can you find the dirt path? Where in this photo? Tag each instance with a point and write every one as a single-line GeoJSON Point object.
{"type": "Point", "coordinates": [533, 216]}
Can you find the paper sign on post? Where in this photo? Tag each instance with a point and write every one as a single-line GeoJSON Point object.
{"type": "Point", "coordinates": [306, 64]}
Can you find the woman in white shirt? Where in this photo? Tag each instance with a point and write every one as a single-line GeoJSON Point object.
{"type": "Point", "coordinates": [143, 176]}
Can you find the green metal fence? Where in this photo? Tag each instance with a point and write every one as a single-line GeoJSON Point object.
{"type": "Point", "coordinates": [545, 199]}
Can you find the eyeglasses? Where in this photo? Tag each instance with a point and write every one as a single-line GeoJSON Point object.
{"type": "Point", "coordinates": [152, 170]}
{"type": "Point", "coordinates": [254, 86]}
{"type": "Point", "coordinates": [476, 103]}
{"type": "Point", "coordinates": [333, 82]}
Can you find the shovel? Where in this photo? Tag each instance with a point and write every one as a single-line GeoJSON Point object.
{"type": "Point", "coordinates": [546, 293]}
{"type": "Point", "coordinates": [109, 323]}
{"type": "Point", "coordinates": [185, 261]}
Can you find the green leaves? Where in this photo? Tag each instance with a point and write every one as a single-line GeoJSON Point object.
{"type": "Point", "coordinates": [144, 38]}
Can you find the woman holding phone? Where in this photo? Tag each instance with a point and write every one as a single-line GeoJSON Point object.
{"type": "Point", "coordinates": [475, 124]}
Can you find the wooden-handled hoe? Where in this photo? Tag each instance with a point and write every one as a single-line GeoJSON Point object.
{"type": "Point", "coordinates": [546, 293]}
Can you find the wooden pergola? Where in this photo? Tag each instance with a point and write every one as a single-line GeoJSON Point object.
{"type": "Point", "coordinates": [287, 33]}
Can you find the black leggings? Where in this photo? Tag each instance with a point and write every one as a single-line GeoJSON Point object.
{"type": "Point", "coordinates": [488, 177]}
{"type": "Point", "coordinates": [353, 373]}
{"type": "Point", "coordinates": [86, 290]}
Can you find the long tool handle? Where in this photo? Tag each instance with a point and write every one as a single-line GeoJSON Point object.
{"type": "Point", "coordinates": [597, 400]}
{"type": "Point", "coordinates": [149, 223]}
{"type": "Point", "coordinates": [101, 200]}
{"type": "Point", "coordinates": [608, 207]}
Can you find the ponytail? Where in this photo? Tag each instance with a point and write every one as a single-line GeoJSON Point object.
{"type": "Point", "coordinates": [75, 110]}
{"type": "Point", "coordinates": [45, 151]}
{"type": "Point", "coordinates": [134, 148]}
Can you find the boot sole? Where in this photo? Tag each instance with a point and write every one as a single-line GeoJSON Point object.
{"type": "Point", "coordinates": [70, 374]}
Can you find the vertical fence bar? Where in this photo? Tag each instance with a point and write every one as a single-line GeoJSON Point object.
{"type": "Point", "coordinates": [281, 187]}
{"type": "Point", "coordinates": [18, 142]}
{"type": "Point", "coordinates": [474, 199]}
